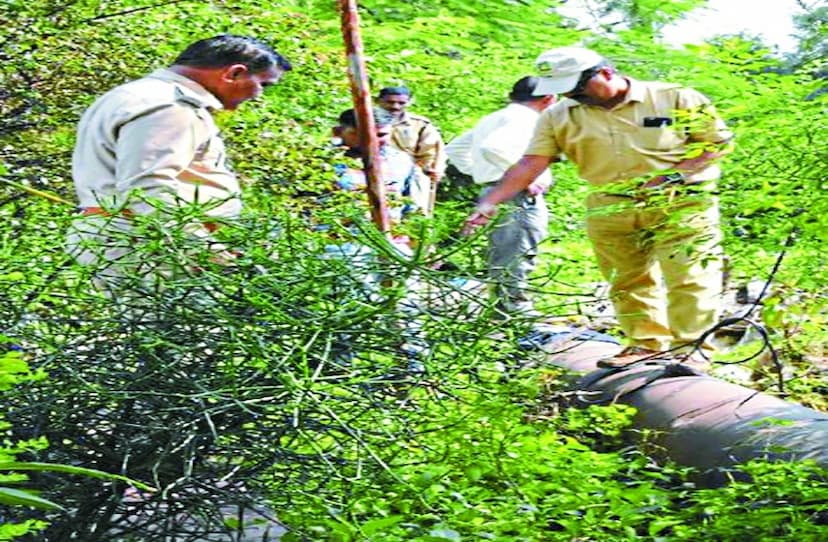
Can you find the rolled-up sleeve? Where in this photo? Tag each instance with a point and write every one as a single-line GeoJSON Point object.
{"type": "Point", "coordinates": [430, 153]}
{"type": "Point", "coordinates": [699, 118]}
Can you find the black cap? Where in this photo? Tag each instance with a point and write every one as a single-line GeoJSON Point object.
{"type": "Point", "coordinates": [395, 91]}
{"type": "Point", "coordinates": [524, 89]}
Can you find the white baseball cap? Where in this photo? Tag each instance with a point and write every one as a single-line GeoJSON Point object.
{"type": "Point", "coordinates": [560, 69]}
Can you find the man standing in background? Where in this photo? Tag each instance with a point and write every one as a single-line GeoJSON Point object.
{"type": "Point", "coordinates": [405, 190]}
{"type": "Point", "coordinates": [417, 136]}
{"type": "Point", "coordinates": [485, 152]}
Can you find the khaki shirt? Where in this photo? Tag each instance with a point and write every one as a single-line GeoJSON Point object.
{"type": "Point", "coordinates": [654, 128]}
{"type": "Point", "coordinates": [156, 136]}
{"type": "Point", "coordinates": [418, 137]}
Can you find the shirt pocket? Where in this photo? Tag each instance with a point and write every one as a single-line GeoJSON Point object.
{"type": "Point", "coordinates": [662, 138]}
{"type": "Point", "coordinates": [211, 154]}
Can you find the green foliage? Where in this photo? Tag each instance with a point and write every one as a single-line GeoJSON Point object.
{"type": "Point", "coordinates": [506, 479]}
{"type": "Point", "coordinates": [812, 33]}
{"type": "Point", "coordinates": [492, 476]}
{"type": "Point", "coordinates": [14, 370]}
{"type": "Point", "coordinates": [782, 502]}
{"type": "Point", "coordinates": [230, 382]}
{"type": "Point", "coordinates": [646, 16]}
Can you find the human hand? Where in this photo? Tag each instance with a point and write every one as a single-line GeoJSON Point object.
{"type": "Point", "coordinates": [538, 187]}
{"type": "Point", "coordinates": [225, 257]}
{"type": "Point", "coordinates": [663, 180]}
{"type": "Point", "coordinates": [480, 217]}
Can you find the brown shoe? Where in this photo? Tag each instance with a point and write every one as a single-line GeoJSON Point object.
{"type": "Point", "coordinates": [628, 356]}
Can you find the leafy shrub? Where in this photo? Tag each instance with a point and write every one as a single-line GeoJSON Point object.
{"type": "Point", "coordinates": [14, 370]}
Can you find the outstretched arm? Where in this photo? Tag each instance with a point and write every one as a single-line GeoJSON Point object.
{"type": "Point", "coordinates": [516, 179]}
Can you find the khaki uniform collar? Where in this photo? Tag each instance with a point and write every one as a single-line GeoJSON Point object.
{"type": "Point", "coordinates": [637, 91]}
{"type": "Point", "coordinates": [189, 88]}
{"type": "Point", "coordinates": [408, 118]}
{"type": "Point", "coordinates": [405, 118]}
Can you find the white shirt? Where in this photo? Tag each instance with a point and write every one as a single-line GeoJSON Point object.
{"type": "Point", "coordinates": [495, 143]}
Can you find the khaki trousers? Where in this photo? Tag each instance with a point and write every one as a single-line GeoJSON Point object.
{"type": "Point", "coordinates": [107, 246]}
{"type": "Point", "coordinates": [661, 255]}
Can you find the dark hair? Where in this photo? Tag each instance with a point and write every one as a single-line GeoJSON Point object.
{"type": "Point", "coordinates": [390, 91]}
{"type": "Point", "coordinates": [523, 90]}
{"type": "Point", "coordinates": [227, 49]}
{"type": "Point", "coordinates": [381, 117]}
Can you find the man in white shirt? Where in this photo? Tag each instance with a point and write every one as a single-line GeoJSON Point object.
{"type": "Point", "coordinates": [485, 152]}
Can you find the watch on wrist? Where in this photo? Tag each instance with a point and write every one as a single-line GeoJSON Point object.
{"type": "Point", "coordinates": [673, 178]}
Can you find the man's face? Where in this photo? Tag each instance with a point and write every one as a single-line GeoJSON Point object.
{"type": "Point", "coordinates": [548, 102]}
{"type": "Point", "coordinates": [594, 88]}
{"type": "Point", "coordinates": [238, 84]}
{"type": "Point", "coordinates": [395, 104]}
{"type": "Point", "coordinates": [350, 137]}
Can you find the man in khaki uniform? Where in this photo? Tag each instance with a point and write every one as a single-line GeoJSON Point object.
{"type": "Point", "coordinates": [415, 135]}
{"type": "Point", "coordinates": [649, 151]}
{"type": "Point", "coordinates": [151, 145]}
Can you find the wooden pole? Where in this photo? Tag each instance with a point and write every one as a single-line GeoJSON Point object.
{"type": "Point", "coordinates": [365, 117]}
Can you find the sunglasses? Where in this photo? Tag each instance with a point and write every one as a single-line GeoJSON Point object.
{"type": "Point", "coordinates": [381, 132]}
{"type": "Point", "coordinates": [580, 87]}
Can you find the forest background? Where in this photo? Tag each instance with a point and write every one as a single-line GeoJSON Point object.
{"type": "Point", "coordinates": [470, 456]}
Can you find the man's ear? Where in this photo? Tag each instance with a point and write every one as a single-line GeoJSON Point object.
{"type": "Point", "coordinates": [234, 71]}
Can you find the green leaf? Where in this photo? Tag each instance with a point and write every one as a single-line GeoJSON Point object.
{"type": "Point", "coordinates": [659, 525]}
{"type": "Point", "coordinates": [378, 525]}
{"type": "Point", "coordinates": [19, 497]}
{"type": "Point", "coordinates": [69, 469]}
